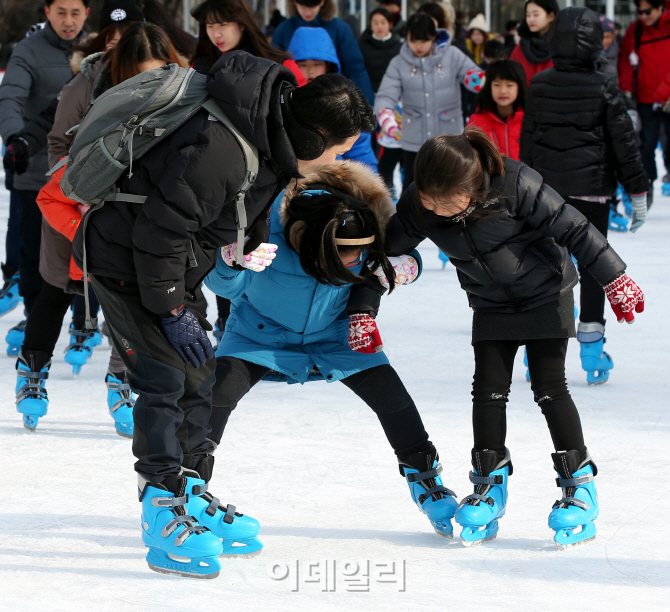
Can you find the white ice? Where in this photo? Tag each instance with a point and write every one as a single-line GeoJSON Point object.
{"type": "Point", "coordinates": [312, 464]}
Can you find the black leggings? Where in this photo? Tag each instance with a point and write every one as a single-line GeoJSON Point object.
{"type": "Point", "coordinates": [379, 387]}
{"type": "Point", "coordinates": [591, 294]}
{"type": "Point", "coordinates": [388, 160]}
{"type": "Point", "coordinates": [494, 360]}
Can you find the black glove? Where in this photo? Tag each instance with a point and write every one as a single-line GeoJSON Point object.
{"type": "Point", "coordinates": [187, 337]}
{"type": "Point", "coordinates": [16, 156]}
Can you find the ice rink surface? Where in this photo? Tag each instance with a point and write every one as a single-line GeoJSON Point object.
{"type": "Point", "coordinates": [312, 464]}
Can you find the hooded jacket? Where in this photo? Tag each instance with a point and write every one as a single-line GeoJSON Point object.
{"type": "Point", "coordinates": [519, 258]}
{"type": "Point", "coordinates": [351, 60]}
{"type": "Point", "coordinates": [654, 55]}
{"type": "Point", "coordinates": [283, 318]}
{"type": "Point", "coordinates": [505, 134]}
{"type": "Point", "coordinates": [377, 55]}
{"type": "Point", "coordinates": [36, 72]}
{"type": "Point", "coordinates": [168, 244]}
{"type": "Point", "coordinates": [576, 130]}
{"type": "Point", "coordinates": [429, 89]}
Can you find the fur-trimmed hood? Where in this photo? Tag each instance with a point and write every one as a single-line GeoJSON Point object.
{"type": "Point", "coordinates": [353, 178]}
{"type": "Point", "coordinates": [327, 12]}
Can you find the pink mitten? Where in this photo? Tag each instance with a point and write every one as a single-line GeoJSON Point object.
{"type": "Point", "coordinates": [256, 261]}
{"type": "Point", "coordinates": [406, 270]}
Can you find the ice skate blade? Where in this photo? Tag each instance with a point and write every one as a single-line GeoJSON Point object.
{"type": "Point", "coordinates": [123, 434]}
{"type": "Point", "coordinates": [566, 546]}
{"type": "Point", "coordinates": [163, 570]}
{"type": "Point", "coordinates": [241, 555]}
{"type": "Point", "coordinates": [251, 547]}
{"type": "Point", "coordinates": [471, 543]}
{"type": "Point", "coordinates": [448, 536]}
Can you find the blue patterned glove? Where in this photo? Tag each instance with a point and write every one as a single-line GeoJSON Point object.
{"type": "Point", "coordinates": [187, 337]}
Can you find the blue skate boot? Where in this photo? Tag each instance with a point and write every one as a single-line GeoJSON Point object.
{"type": "Point", "coordinates": [96, 339]}
{"type": "Point", "coordinates": [177, 543]}
{"type": "Point", "coordinates": [9, 294]}
{"type": "Point", "coordinates": [32, 370]}
{"type": "Point", "coordinates": [237, 532]}
{"type": "Point", "coordinates": [665, 189]}
{"type": "Point", "coordinates": [15, 337]}
{"type": "Point", "coordinates": [120, 401]}
{"type": "Point", "coordinates": [525, 362]}
{"type": "Point", "coordinates": [422, 472]}
{"type": "Point", "coordinates": [479, 512]}
{"type": "Point", "coordinates": [596, 362]}
{"type": "Point", "coordinates": [79, 351]}
{"type": "Point", "coordinates": [578, 507]}
{"type": "Point", "coordinates": [617, 222]}
{"type": "Point", "coordinates": [625, 200]}
{"type": "Point", "coordinates": [443, 258]}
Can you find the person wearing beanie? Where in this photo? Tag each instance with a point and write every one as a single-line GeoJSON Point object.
{"type": "Point", "coordinates": [532, 52]}
{"type": "Point", "coordinates": [478, 34]}
{"type": "Point", "coordinates": [116, 11]}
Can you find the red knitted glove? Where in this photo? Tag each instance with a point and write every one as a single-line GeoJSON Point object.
{"type": "Point", "coordinates": [624, 296]}
{"type": "Point", "coordinates": [363, 334]}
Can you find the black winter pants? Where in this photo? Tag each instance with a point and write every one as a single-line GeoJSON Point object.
{"type": "Point", "coordinates": [31, 238]}
{"type": "Point", "coordinates": [174, 405]}
{"type": "Point", "coordinates": [379, 387]}
{"type": "Point", "coordinates": [388, 160]}
{"type": "Point", "coordinates": [591, 294]}
{"type": "Point", "coordinates": [494, 361]}
{"type": "Point", "coordinates": [651, 130]}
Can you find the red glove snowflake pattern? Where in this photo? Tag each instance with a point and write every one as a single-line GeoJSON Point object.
{"type": "Point", "coordinates": [625, 297]}
{"type": "Point", "coordinates": [363, 334]}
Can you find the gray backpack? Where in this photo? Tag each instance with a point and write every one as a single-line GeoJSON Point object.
{"type": "Point", "coordinates": [124, 123]}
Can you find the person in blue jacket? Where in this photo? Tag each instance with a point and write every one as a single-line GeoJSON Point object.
{"type": "Point", "coordinates": [321, 14]}
{"type": "Point", "coordinates": [289, 319]}
{"type": "Point", "coordinates": [314, 52]}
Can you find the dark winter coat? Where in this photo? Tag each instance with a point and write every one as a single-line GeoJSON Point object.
{"type": "Point", "coordinates": [576, 130]}
{"type": "Point", "coordinates": [377, 55]}
{"type": "Point", "coordinates": [36, 72]}
{"type": "Point", "coordinates": [191, 179]}
{"type": "Point", "coordinates": [517, 259]}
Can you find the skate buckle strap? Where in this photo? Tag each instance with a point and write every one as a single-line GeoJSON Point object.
{"type": "Point", "coordinates": [38, 375]}
{"type": "Point", "coordinates": [168, 502]}
{"type": "Point", "coordinates": [434, 473]}
{"type": "Point", "coordinates": [486, 480]}
{"type": "Point", "coordinates": [478, 498]}
{"type": "Point", "coordinates": [199, 489]}
{"type": "Point", "coordinates": [433, 490]}
{"type": "Point", "coordinates": [77, 345]}
{"type": "Point", "coordinates": [122, 402]}
{"type": "Point", "coordinates": [574, 482]}
{"type": "Point", "coordinates": [31, 391]}
{"type": "Point", "coordinates": [118, 386]}
{"type": "Point", "coordinates": [215, 504]}
{"type": "Point", "coordinates": [567, 501]}
{"type": "Point", "coordinates": [190, 527]}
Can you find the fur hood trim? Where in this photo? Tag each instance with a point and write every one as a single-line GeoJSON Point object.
{"type": "Point", "coordinates": [327, 12]}
{"type": "Point", "coordinates": [353, 178]}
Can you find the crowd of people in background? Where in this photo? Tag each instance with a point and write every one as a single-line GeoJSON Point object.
{"type": "Point", "coordinates": [566, 92]}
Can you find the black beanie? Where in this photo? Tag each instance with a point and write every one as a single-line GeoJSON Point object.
{"type": "Point", "coordinates": [116, 11]}
{"type": "Point", "coordinates": [550, 6]}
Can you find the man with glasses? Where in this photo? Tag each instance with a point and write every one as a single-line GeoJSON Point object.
{"type": "Point", "coordinates": [644, 63]}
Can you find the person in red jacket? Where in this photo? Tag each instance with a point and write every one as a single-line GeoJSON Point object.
{"type": "Point", "coordinates": [532, 52]}
{"type": "Point", "coordinates": [644, 63]}
{"type": "Point", "coordinates": [500, 106]}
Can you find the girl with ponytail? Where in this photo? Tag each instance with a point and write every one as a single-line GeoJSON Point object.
{"type": "Point", "coordinates": [290, 318]}
{"type": "Point", "coordinates": [510, 237]}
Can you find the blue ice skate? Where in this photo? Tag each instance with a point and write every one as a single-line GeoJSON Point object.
{"type": "Point", "coordinates": [31, 395]}
{"type": "Point", "coordinates": [595, 361]}
{"type": "Point", "coordinates": [9, 295]}
{"type": "Point", "coordinates": [79, 351]}
{"type": "Point", "coordinates": [525, 362]}
{"type": "Point", "coordinates": [443, 258]}
{"type": "Point", "coordinates": [617, 222]}
{"type": "Point", "coordinates": [177, 543]}
{"type": "Point", "coordinates": [665, 189]}
{"type": "Point", "coordinates": [15, 337]}
{"type": "Point", "coordinates": [479, 512]}
{"type": "Point", "coordinates": [422, 472]}
{"type": "Point", "coordinates": [625, 200]}
{"type": "Point", "coordinates": [95, 339]}
{"type": "Point", "coordinates": [120, 401]}
{"type": "Point", "coordinates": [572, 516]}
{"type": "Point", "coordinates": [237, 532]}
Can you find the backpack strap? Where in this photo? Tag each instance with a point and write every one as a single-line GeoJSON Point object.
{"type": "Point", "coordinates": [251, 172]}
{"type": "Point", "coordinates": [638, 35]}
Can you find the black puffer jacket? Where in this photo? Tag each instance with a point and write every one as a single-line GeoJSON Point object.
{"type": "Point", "coordinates": [191, 180]}
{"type": "Point", "coordinates": [377, 54]}
{"type": "Point", "coordinates": [519, 258]}
{"type": "Point", "coordinates": [576, 131]}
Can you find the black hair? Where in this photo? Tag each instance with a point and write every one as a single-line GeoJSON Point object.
{"type": "Point", "coordinates": [157, 13]}
{"type": "Point", "coordinates": [421, 27]}
{"type": "Point", "coordinates": [434, 10]}
{"type": "Point", "coordinates": [495, 49]}
{"type": "Point", "coordinates": [332, 104]}
{"type": "Point", "coordinates": [315, 221]}
{"type": "Point", "coordinates": [50, 2]}
{"type": "Point", "coordinates": [505, 70]}
{"type": "Point", "coordinates": [512, 24]}
{"type": "Point", "coordinates": [384, 13]}
{"type": "Point", "coordinates": [548, 6]}
{"type": "Point", "coordinates": [654, 3]}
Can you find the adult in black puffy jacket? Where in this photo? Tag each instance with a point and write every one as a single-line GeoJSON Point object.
{"type": "Point", "coordinates": [147, 261]}
{"type": "Point", "coordinates": [379, 45]}
{"type": "Point", "coordinates": [578, 135]}
{"type": "Point", "coordinates": [510, 236]}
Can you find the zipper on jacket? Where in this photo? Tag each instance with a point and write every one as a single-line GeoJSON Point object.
{"type": "Point", "coordinates": [492, 276]}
